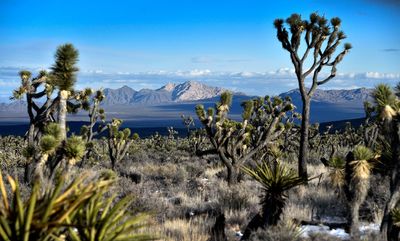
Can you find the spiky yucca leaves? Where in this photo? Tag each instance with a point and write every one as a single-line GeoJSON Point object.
{"type": "Point", "coordinates": [74, 149]}
{"type": "Point", "coordinates": [237, 142]}
{"type": "Point", "coordinates": [386, 102]}
{"type": "Point", "coordinates": [44, 216]}
{"type": "Point", "coordinates": [336, 172]}
{"type": "Point", "coordinates": [118, 141]}
{"type": "Point", "coordinates": [362, 165]}
{"type": "Point", "coordinates": [276, 179]}
{"type": "Point", "coordinates": [321, 41]}
{"type": "Point", "coordinates": [100, 221]}
{"type": "Point", "coordinates": [64, 70]}
{"type": "Point", "coordinates": [396, 216]}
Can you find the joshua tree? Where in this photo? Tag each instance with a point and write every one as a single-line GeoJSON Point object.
{"type": "Point", "coordinates": [95, 113]}
{"type": "Point", "coordinates": [96, 116]}
{"type": "Point", "coordinates": [321, 40]}
{"type": "Point", "coordinates": [236, 142]}
{"type": "Point", "coordinates": [118, 141]}
{"type": "Point", "coordinates": [188, 122]}
{"type": "Point", "coordinates": [276, 179]}
{"type": "Point", "coordinates": [63, 77]}
{"type": "Point", "coordinates": [358, 168]}
{"type": "Point", "coordinates": [171, 132]}
{"type": "Point", "coordinates": [39, 114]}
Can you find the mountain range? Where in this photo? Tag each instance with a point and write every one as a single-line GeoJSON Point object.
{"type": "Point", "coordinates": [169, 93]}
{"type": "Point", "coordinates": [165, 105]}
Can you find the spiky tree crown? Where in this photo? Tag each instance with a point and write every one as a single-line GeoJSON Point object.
{"type": "Point", "coordinates": [75, 147]}
{"type": "Point", "coordinates": [51, 138]}
{"type": "Point", "coordinates": [386, 102]}
{"type": "Point", "coordinates": [362, 165]}
{"type": "Point", "coordinates": [64, 69]}
{"type": "Point", "coordinates": [48, 144]}
{"type": "Point", "coordinates": [317, 31]}
{"type": "Point", "coordinates": [247, 109]}
{"type": "Point", "coordinates": [25, 74]}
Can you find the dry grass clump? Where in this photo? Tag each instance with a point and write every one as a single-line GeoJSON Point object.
{"type": "Point", "coordinates": [196, 229]}
{"type": "Point", "coordinates": [284, 231]}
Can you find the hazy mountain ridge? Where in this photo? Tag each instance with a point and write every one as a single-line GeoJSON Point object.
{"type": "Point", "coordinates": [15, 106]}
{"type": "Point", "coordinates": [172, 100]}
{"type": "Point", "coordinates": [333, 96]}
{"type": "Point", "coordinates": [187, 91]}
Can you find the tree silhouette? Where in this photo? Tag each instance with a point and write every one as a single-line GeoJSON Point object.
{"type": "Point", "coordinates": [321, 40]}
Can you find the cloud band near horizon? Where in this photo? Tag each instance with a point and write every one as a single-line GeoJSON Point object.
{"type": "Point", "coordinates": [251, 83]}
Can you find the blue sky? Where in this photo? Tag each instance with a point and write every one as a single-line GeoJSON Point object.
{"type": "Point", "coordinates": [146, 43]}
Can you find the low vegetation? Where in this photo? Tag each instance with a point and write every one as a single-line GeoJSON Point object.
{"type": "Point", "coordinates": [227, 180]}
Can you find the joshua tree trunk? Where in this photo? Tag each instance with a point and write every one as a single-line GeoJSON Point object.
{"type": "Point", "coordinates": [354, 221]}
{"type": "Point", "coordinates": [62, 113]}
{"type": "Point", "coordinates": [232, 177]}
{"type": "Point", "coordinates": [305, 122]}
{"type": "Point", "coordinates": [232, 169]}
{"type": "Point", "coordinates": [39, 168]}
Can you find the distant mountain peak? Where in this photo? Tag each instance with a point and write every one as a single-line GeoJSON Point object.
{"type": "Point", "coordinates": [193, 90]}
{"type": "Point", "coordinates": [125, 87]}
{"type": "Point", "coordinates": [168, 87]}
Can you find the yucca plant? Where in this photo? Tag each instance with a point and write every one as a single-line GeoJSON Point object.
{"type": "Point", "coordinates": [336, 172]}
{"type": "Point", "coordinates": [78, 211]}
{"type": "Point", "coordinates": [100, 221]}
{"type": "Point", "coordinates": [276, 179]}
{"type": "Point", "coordinates": [43, 216]}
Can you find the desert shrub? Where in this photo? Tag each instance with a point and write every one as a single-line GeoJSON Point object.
{"type": "Point", "coordinates": [281, 232]}
{"type": "Point", "coordinates": [234, 198]}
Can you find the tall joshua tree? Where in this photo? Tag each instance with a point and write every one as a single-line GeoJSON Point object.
{"type": "Point", "coordinates": [321, 40]}
{"type": "Point", "coordinates": [63, 76]}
